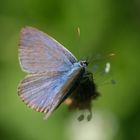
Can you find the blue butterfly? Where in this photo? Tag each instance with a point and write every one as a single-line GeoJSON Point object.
{"type": "Point", "coordinates": [54, 74]}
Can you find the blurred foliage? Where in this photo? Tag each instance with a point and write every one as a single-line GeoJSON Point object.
{"type": "Point", "coordinates": [106, 26]}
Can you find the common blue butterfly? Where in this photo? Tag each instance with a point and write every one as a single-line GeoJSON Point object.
{"type": "Point", "coordinates": [54, 74]}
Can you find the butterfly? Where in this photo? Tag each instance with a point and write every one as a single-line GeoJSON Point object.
{"type": "Point", "coordinates": [54, 74]}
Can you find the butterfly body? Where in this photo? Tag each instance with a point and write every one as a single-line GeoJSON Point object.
{"type": "Point", "coordinates": [83, 92]}
{"type": "Point", "coordinates": [54, 74]}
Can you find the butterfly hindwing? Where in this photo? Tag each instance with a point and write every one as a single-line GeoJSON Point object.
{"type": "Point", "coordinates": [45, 91]}
{"type": "Point", "coordinates": [38, 91]}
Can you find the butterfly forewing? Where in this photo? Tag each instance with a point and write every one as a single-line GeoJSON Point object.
{"type": "Point", "coordinates": [38, 52]}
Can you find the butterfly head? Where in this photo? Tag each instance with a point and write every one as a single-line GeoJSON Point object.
{"type": "Point", "coordinates": [84, 63]}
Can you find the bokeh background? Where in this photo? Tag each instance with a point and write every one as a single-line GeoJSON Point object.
{"type": "Point", "coordinates": [106, 26]}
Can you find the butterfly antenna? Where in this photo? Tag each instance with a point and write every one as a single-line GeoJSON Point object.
{"type": "Point", "coordinates": [78, 31]}
{"type": "Point", "coordinates": [99, 57]}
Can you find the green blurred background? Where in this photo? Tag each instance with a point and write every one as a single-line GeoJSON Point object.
{"type": "Point", "coordinates": [106, 26]}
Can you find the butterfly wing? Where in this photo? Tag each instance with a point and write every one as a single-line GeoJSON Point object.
{"type": "Point", "coordinates": [38, 52]}
{"type": "Point", "coordinates": [44, 92]}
